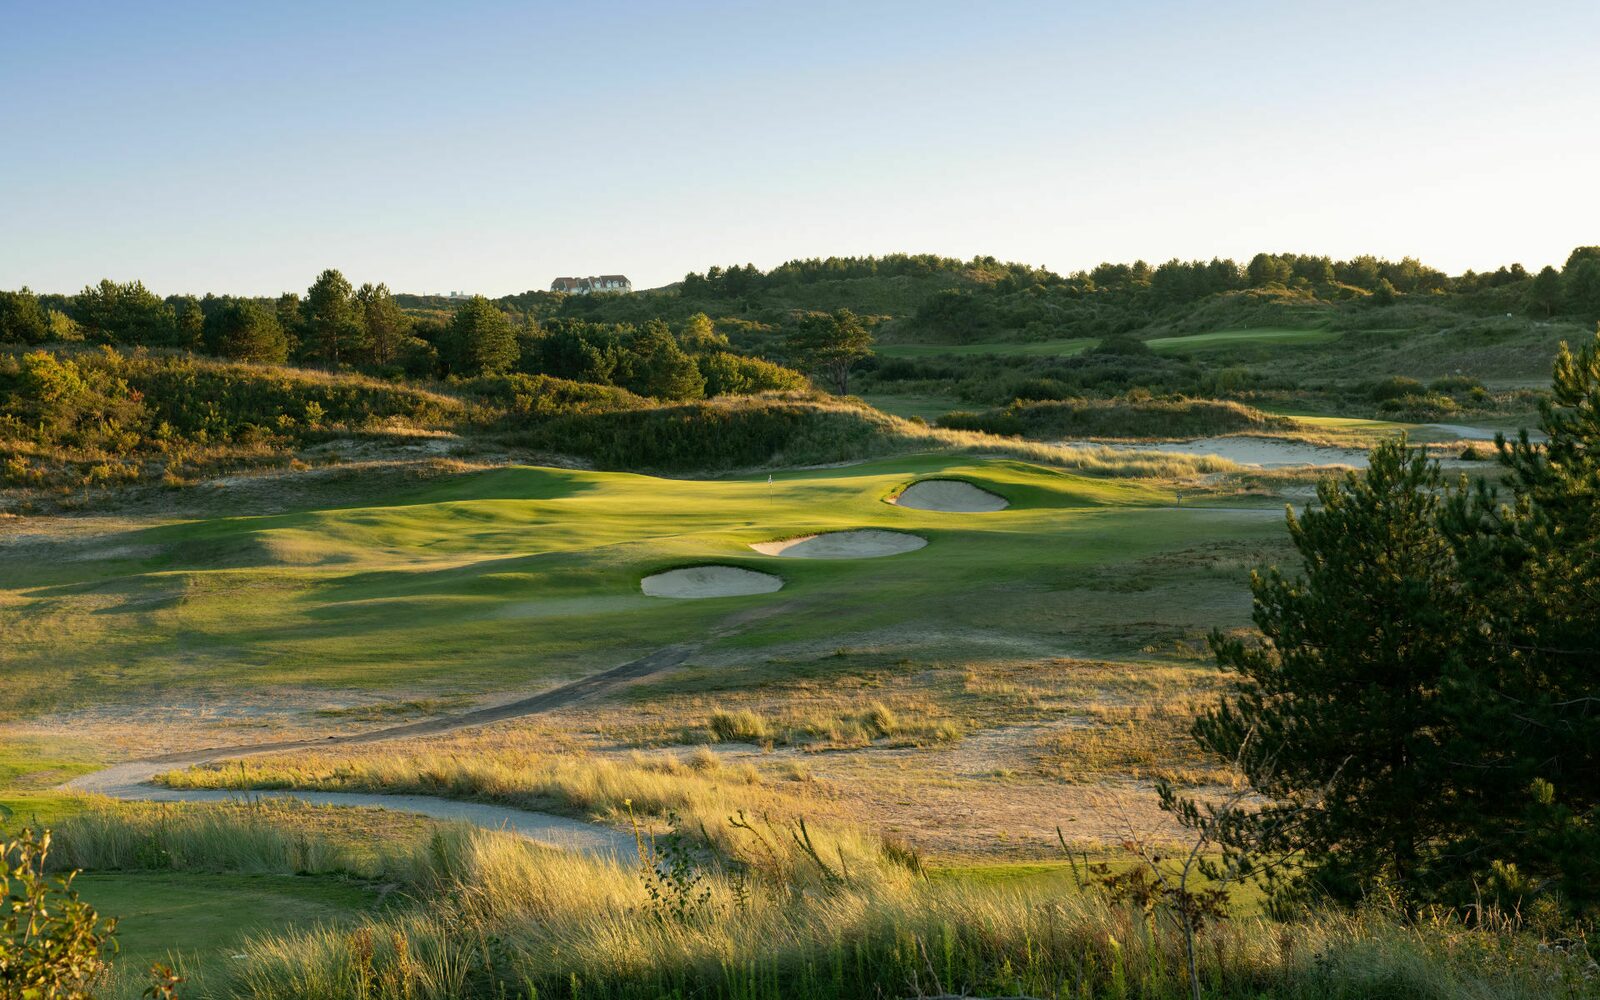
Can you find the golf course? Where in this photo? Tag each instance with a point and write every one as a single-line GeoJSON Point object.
{"type": "Point", "coordinates": [714, 679]}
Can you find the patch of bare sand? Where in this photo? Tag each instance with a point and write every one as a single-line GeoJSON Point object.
{"type": "Point", "coordinates": [950, 496]}
{"type": "Point", "coordinates": [864, 544]}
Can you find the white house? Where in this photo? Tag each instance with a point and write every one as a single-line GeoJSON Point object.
{"type": "Point", "coordinates": [583, 286]}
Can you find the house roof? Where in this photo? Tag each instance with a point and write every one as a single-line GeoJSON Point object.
{"type": "Point", "coordinates": [590, 282]}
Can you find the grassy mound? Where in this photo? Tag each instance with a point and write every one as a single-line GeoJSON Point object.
{"type": "Point", "coordinates": [71, 419]}
{"type": "Point", "coordinates": [1117, 418]}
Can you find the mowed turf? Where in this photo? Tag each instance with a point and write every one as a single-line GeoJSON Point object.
{"type": "Point", "coordinates": [1224, 339]}
{"type": "Point", "coordinates": [1216, 340]}
{"type": "Point", "coordinates": [513, 579]}
{"type": "Point", "coordinates": [196, 922]}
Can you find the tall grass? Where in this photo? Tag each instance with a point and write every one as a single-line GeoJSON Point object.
{"type": "Point", "coordinates": [252, 839]}
{"type": "Point", "coordinates": [588, 787]}
{"type": "Point", "coordinates": [503, 920]}
{"type": "Point", "coordinates": [485, 914]}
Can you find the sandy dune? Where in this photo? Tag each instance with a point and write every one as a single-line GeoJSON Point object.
{"type": "Point", "coordinates": [709, 581]}
{"type": "Point", "coordinates": [950, 496]}
{"type": "Point", "coordinates": [864, 544]}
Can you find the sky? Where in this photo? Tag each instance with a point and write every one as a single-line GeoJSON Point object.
{"type": "Point", "coordinates": [490, 147]}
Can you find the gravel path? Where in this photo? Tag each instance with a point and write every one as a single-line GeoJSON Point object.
{"type": "Point", "coordinates": [131, 781]}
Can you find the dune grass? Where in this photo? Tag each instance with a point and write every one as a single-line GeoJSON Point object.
{"type": "Point", "coordinates": [501, 919]}
{"type": "Point", "coordinates": [775, 910]}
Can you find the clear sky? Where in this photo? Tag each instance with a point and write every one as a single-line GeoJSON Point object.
{"type": "Point", "coordinates": [489, 147]}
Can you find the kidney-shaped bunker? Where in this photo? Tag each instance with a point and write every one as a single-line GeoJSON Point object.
{"type": "Point", "coordinates": [709, 581]}
{"type": "Point", "coordinates": [950, 496]}
{"type": "Point", "coordinates": [867, 543]}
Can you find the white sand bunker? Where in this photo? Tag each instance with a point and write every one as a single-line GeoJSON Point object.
{"type": "Point", "coordinates": [950, 496]}
{"type": "Point", "coordinates": [709, 581]}
{"type": "Point", "coordinates": [866, 544]}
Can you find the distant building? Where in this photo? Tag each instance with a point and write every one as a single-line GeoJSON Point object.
{"type": "Point", "coordinates": [583, 286]}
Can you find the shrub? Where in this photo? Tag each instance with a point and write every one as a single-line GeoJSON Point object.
{"type": "Point", "coordinates": [1395, 387]}
{"type": "Point", "coordinates": [742, 726]}
{"type": "Point", "coordinates": [52, 944]}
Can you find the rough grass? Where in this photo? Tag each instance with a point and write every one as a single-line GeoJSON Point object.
{"type": "Point", "coordinates": [778, 430]}
{"type": "Point", "coordinates": [610, 790]}
{"type": "Point", "coordinates": [913, 724]}
{"type": "Point", "coordinates": [1117, 418]}
{"type": "Point", "coordinates": [501, 917]}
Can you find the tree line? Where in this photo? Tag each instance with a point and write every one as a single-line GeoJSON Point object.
{"type": "Point", "coordinates": [339, 326]}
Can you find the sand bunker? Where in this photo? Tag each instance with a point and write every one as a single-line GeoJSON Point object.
{"type": "Point", "coordinates": [709, 581]}
{"type": "Point", "coordinates": [866, 544]}
{"type": "Point", "coordinates": [950, 496]}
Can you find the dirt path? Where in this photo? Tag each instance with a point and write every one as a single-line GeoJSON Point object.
{"type": "Point", "coordinates": [131, 780]}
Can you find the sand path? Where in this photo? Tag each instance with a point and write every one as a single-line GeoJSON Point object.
{"type": "Point", "coordinates": [130, 781]}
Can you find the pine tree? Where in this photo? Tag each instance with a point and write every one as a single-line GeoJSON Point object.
{"type": "Point", "coordinates": [386, 329]}
{"type": "Point", "coordinates": [333, 330]}
{"type": "Point", "coordinates": [482, 339]}
{"type": "Point", "coordinates": [1544, 292]}
{"type": "Point", "coordinates": [661, 369]}
{"type": "Point", "coordinates": [1335, 715]}
{"type": "Point", "coordinates": [245, 331]}
{"type": "Point", "coordinates": [1528, 697]}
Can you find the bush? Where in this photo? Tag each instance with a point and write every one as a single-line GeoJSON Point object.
{"type": "Point", "coordinates": [734, 375]}
{"type": "Point", "coordinates": [1395, 387]}
{"type": "Point", "coordinates": [52, 944]}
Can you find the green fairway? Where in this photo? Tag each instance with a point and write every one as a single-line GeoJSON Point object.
{"type": "Point", "coordinates": [196, 922]}
{"type": "Point", "coordinates": [1032, 348]}
{"type": "Point", "coordinates": [516, 578]}
{"type": "Point", "coordinates": [1223, 339]}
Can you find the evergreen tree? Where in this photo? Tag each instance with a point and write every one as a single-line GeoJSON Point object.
{"type": "Point", "coordinates": [333, 328]}
{"type": "Point", "coordinates": [125, 314]}
{"type": "Point", "coordinates": [1580, 284]}
{"type": "Point", "coordinates": [660, 368]}
{"type": "Point", "coordinates": [244, 331]}
{"type": "Point", "coordinates": [1527, 711]}
{"type": "Point", "coordinates": [1544, 292]}
{"type": "Point", "coordinates": [22, 319]}
{"type": "Point", "coordinates": [1335, 715]}
{"type": "Point", "coordinates": [386, 329]}
{"type": "Point", "coordinates": [190, 325]}
{"type": "Point", "coordinates": [482, 340]}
